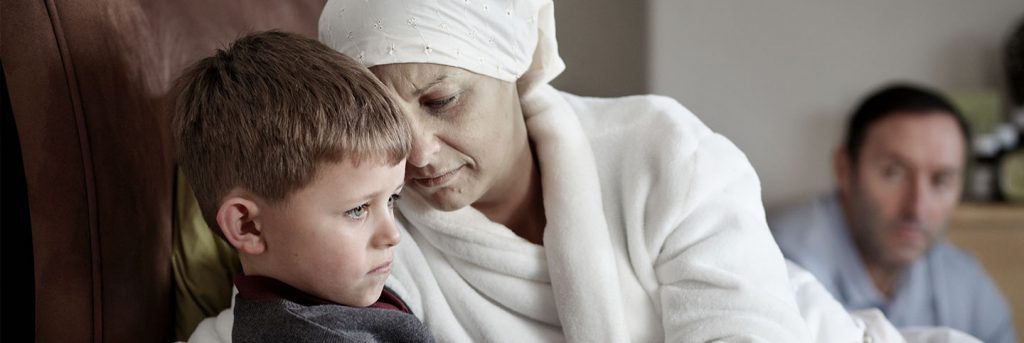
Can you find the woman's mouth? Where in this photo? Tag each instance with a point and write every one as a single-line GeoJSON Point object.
{"type": "Point", "coordinates": [436, 180]}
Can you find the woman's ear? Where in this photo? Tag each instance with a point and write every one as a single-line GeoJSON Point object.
{"type": "Point", "coordinates": [237, 218]}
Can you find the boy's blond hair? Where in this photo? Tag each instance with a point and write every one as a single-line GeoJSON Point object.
{"type": "Point", "coordinates": [266, 112]}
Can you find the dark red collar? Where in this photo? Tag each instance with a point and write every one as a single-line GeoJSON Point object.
{"type": "Point", "coordinates": [256, 287]}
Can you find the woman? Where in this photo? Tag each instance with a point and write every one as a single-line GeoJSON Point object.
{"type": "Point", "coordinates": [536, 215]}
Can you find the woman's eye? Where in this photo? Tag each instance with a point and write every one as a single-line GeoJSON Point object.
{"type": "Point", "coordinates": [439, 104]}
{"type": "Point", "coordinates": [393, 199]}
{"type": "Point", "coordinates": [358, 212]}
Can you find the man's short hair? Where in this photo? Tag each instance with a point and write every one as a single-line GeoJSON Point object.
{"type": "Point", "coordinates": [894, 99]}
{"type": "Point", "coordinates": [266, 112]}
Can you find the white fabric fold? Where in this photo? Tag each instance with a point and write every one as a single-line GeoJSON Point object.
{"type": "Point", "coordinates": [584, 280]}
{"type": "Point", "coordinates": [486, 256]}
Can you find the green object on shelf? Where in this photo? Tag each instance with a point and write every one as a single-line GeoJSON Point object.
{"type": "Point", "coordinates": [1011, 176]}
{"type": "Point", "coordinates": [981, 108]}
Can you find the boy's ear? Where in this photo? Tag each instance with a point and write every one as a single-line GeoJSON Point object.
{"type": "Point", "coordinates": [238, 220]}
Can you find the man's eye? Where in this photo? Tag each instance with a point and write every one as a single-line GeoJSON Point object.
{"type": "Point", "coordinates": [892, 172]}
{"type": "Point", "coordinates": [358, 212]}
{"type": "Point", "coordinates": [943, 180]}
{"type": "Point", "coordinates": [393, 199]}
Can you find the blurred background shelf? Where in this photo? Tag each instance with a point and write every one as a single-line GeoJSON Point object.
{"type": "Point", "coordinates": [994, 232]}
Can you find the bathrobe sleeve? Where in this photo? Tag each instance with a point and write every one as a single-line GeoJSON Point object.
{"type": "Point", "coordinates": [722, 276]}
{"type": "Point", "coordinates": [688, 204]}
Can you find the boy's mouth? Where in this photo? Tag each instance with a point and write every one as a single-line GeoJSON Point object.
{"type": "Point", "coordinates": [384, 268]}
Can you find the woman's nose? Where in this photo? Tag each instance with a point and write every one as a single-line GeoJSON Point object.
{"type": "Point", "coordinates": [424, 143]}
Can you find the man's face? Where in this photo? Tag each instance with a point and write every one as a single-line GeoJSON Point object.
{"type": "Point", "coordinates": [905, 185]}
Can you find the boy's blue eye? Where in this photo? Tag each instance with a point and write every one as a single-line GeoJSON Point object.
{"type": "Point", "coordinates": [358, 212]}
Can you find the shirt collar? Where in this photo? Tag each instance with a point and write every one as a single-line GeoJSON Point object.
{"type": "Point", "coordinates": [257, 287]}
{"type": "Point", "coordinates": [856, 289]}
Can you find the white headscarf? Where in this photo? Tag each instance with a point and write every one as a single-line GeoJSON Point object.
{"type": "Point", "coordinates": [508, 40]}
{"type": "Point", "coordinates": [512, 41]}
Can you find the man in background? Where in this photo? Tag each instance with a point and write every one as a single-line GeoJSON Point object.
{"type": "Point", "coordinates": [878, 240]}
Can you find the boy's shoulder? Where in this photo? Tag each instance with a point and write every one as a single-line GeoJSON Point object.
{"type": "Point", "coordinates": [267, 310]}
{"type": "Point", "coordinates": [281, 320]}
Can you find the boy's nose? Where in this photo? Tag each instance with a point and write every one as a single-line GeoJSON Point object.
{"type": "Point", "coordinates": [387, 232]}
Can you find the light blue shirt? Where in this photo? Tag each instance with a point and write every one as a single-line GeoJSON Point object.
{"type": "Point", "coordinates": [947, 287]}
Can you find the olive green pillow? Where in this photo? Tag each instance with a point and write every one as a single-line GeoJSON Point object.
{"type": "Point", "coordinates": [203, 264]}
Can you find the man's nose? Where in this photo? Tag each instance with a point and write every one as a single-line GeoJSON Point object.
{"type": "Point", "coordinates": [917, 198]}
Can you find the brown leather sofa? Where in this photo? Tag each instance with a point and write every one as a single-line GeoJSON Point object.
{"type": "Point", "coordinates": [85, 81]}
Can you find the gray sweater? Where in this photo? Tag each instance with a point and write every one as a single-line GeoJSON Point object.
{"type": "Point", "coordinates": [267, 310]}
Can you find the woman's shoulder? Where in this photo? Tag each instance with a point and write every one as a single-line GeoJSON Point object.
{"type": "Point", "coordinates": [656, 124]}
{"type": "Point", "coordinates": [653, 147]}
{"type": "Point", "coordinates": [650, 119]}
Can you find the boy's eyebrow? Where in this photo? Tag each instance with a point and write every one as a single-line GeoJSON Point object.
{"type": "Point", "coordinates": [421, 90]}
{"type": "Point", "coordinates": [365, 197]}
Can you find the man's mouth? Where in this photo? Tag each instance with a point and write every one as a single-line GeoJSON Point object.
{"type": "Point", "coordinates": [909, 232]}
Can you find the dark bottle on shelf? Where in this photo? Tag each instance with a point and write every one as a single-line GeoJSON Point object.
{"type": "Point", "coordinates": [981, 182]}
{"type": "Point", "coordinates": [1010, 172]}
{"type": "Point", "coordinates": [1010, 165]}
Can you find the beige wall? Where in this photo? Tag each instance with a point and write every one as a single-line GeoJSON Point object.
{"type": "Point", "coordinates": [779, 77]}
{"type": "Point", "coordinates": [604, 45]}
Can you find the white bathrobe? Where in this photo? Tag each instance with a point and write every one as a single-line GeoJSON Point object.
{"type": "Point", "coordinates": [687, 245]}
{"type": "Point", "coordinates": [685, 242]}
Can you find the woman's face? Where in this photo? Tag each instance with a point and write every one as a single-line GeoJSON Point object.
{"type": "Point", "coordinates": [469, 137]}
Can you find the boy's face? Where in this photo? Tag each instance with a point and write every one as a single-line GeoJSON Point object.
{"type": "Point", "coordinates": [334, 238]}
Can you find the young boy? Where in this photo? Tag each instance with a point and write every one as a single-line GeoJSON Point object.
{"type": "Point", "coordinates": [297, 154]}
